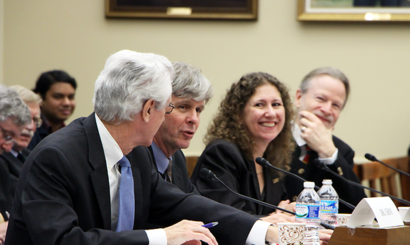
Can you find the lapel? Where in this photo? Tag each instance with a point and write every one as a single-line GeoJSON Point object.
{"type": "Point", "coordinates": [99, 175]}
{"type": "Point", "coordinates": [13, 164]}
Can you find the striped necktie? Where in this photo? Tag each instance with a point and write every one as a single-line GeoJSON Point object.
{"type": "Point", "coordinates": [169, 171]}
{"type": "Point", "coordinates": [308, 154]}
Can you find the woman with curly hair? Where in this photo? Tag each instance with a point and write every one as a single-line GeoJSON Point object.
{"type": "Point", "coordinates": [254, 120]}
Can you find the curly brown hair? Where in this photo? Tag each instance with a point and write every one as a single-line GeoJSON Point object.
{"type": "Point", "coordinates": [228, 123]}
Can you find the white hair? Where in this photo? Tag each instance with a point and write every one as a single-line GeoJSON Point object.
{"type": "Point", "coordinates": [128, 80]}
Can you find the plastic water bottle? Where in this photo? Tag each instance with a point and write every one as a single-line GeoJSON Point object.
{"type": "Point", "coordinates": [308, 206]}
{"type": "Point", "coordinates": [329, 202]}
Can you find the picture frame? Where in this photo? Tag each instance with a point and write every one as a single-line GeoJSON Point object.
{"type": "Point", "coordinates": [183, 9]}
{"type": "Point", "coordinates": [343, 10]}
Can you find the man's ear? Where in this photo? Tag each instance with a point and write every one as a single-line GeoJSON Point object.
{"type": "Point", "coordinates": [298, 98]}
{"type": "Point", "coordinates": [146, 109]}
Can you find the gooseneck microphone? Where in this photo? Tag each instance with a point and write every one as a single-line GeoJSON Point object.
{"type": "Point", "coordinates": [372, 158]}
{"type": "Point", "coordinates": [209, 175]}
{"type": "Point", "coordinates": [324, 167]}
{"type": "Point", "coordinates": [264, 163]}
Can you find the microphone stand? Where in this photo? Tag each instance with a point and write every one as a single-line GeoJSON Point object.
{"type": "Point", "coordinates": [372, 158]}
{"type": "Point", "coordinates": [208, 174]}
{"type": "Point", "coordinates": [324, 167]}
{"type": "Point", "coordinates": [264, 162]}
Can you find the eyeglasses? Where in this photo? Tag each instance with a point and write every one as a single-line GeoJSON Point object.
{"type": "Point", "coordinates": [172, 108]}
{"type": "Point", "coordinates": [6, 136]}
{"type": "Point", "coordinates": [37, 121]}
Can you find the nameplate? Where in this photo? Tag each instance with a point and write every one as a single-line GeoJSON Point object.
{"type": "Point", "coordinates": [382, 208]}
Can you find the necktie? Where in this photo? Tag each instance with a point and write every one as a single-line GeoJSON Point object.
{"type": "Point", "coordinates": [169, 171]}
{"type": "Point", "coordinates": [21, 157]}
{"type": "Point", "coordinates": [127, 202]}
{"type": "Point", "coordinates": [307, 156]}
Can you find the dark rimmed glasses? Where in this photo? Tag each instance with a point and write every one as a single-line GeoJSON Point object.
{"type": "Point", "coordinates": [6, 136]}
{"type": "Point", "coordinates": [170, 110]}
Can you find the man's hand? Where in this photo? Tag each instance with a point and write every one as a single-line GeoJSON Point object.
{"type": "Point", "coordinates": [324, 236]}
{"type": "Point", "coordinates": [272, 235]}
{"type": "Point", "coordinates": [189, 232]}
{"type": "Point", "coordinates": [316, 135]}
{"type": "Point", "coordinates": [3, 231]}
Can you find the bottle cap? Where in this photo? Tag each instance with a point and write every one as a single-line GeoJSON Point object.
{"type": "Point", "coordinates": [308, 184]}
{"type": "Point", "coordinates": [327, 182]}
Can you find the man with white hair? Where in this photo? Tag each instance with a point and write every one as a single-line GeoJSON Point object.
{"type": "Point", "coordinates": [89, 183]}
{"type": "Point", "coordinates": [14, 115]}
{"type": "Point", "coordinates": [11, 161]}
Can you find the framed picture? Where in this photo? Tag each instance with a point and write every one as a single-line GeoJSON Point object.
{"type": "Point", "coordinates": [354, 10]}
{"type": "Point", "coordinates": [183, 9]}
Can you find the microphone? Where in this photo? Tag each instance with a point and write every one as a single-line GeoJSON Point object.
{"type": "Point", "coordinates": [326, 168]}
{"type": "Point", "coordinates": [372, 158]}
{"type": "Point", "coordinates": [264, 163]}
{"type": "Point", "coordinates": [209, 175]}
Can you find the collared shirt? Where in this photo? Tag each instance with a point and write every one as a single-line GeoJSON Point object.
{"type": "Point", "coordinates": [113, 154]}
{"type": "Point", "coordinates": [161, 160]}
{"type": "Point", "coordinates": [302, 144]}
{"type": "Point", "coordinates": [14, 152]}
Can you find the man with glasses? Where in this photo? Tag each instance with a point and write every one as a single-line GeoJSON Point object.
{"type": "Point", "coordinates": [16, 152]}
{"type": "Point", "coordinates": [14, 115]}
{"type": "Point", "coordinates": [190, 91]}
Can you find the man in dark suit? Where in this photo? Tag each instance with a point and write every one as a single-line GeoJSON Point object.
{"type": "Point", "coordinates": [71, 190]}
{"type": "Point", "coordinates": [14, 115]}
{"type": "Point", "coordinates": [319, 100]}
{"type": "Point", "coordinates": [11, 161]}
{"type": "Point", "coordinates": [191, 90]}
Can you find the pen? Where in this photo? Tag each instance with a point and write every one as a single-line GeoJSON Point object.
{"type": "Point", "coordinates": [210, 225]}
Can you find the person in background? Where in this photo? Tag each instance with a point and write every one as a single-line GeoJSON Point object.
{"type": "Point", "coordinates": [16, 152]}
{"type": "Point", "coordinates": [191, 90]}
{"type": "Point", "coordinates": [14, 115]}
{"type": "Point", "coordinates": [57, 90]}
{"type": "Point", "coordinates": [71, 189]}
{"type": "Point", "coordinates": [254, 120]}
{"type": "Point", "coordinates": [320, 99]}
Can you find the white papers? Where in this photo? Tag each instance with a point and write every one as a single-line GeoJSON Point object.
{"type": "Point", "coordinates": [382, 208]}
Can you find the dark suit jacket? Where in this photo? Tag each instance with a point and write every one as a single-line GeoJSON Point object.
{"type": "Point", "coordinates": [179, 172]}
{"type": "Point", "coordinates": [63, 196]}
{"type": "Point", "coordinates": [343, 165]}
{"type": "Point", "coordinates": [10, 168]}
{"type": "Point", "coordinates": [232, 167]}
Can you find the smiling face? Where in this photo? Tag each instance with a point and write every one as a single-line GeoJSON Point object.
{"type": "Point", "coordinates": [180, 126]}
{"type": "Point", "coordinates": [324, 97]}
{"type": "Point", "coordinates": [264, 114]}
{"type": "Point", "coordinates": [59, 102]}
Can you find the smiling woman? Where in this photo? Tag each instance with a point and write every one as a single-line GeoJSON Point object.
{"type": "Point", "coordinates": [254, 120]}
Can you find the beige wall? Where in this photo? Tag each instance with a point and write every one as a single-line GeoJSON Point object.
{"type": "Point", "coordinates": [76, 37]}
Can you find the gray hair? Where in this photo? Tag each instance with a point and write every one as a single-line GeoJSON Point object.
{"type": "Point", "coordinates": [330, 71]}
{"type": "Point", "coordinates": [26, 94]}
{"type": "Point", "coordinates": [13, 107]}
{"type": "Point", "coordinates": [189, 82]}
{"type": "Point", "coordinates": [127, 81]}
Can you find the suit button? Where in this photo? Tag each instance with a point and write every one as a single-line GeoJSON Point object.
{"type": "Point", "coordinates": [301, 171]}
{"type": "Point", "coordinates": [339, 169]}
{"type": "Point", "coordinates": [294, 198]}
